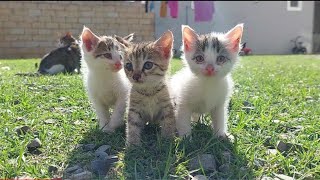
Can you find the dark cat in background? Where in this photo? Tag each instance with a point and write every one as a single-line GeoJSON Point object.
{"type": "Point", "coordinates": [64, 59]}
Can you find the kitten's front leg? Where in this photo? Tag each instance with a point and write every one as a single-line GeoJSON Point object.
{"type": "Point", "coordinates": [183, 121]}
{"type": "Point", "coordinates": [219, 121]}
{"type": "Point", "coordinates": [102, 112]}
{"type": "Point", "coordinates": [167, 122]}
{"type": "Point", "coordinates": [134, 126]}
{"type": "Point", "coordinates": [117, 117]}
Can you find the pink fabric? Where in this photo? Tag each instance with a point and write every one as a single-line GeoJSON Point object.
{"type": "Point", "coordinates": [173, 5]}
{"type": "Point", "coordinates": [203, 10]}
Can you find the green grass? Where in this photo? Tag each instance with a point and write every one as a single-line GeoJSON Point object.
{"type": "Point", "coordinates": [277, 86]}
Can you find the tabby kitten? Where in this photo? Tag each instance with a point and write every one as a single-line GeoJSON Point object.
{"type": "Point", "coordinates": [146, 65]}
{"type": "Point", "coordinates": [64, 59]}
{"type": "Point", "coordinates": [104, 77]}
{"type": "Point", "coordinates": [205, 84]}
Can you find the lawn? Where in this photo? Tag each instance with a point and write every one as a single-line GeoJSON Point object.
{"type": "Point", "coordinates": [276, 99]}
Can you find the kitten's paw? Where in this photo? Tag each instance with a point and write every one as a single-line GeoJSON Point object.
{"type": "Point", "coordinates": [108, 129]}
{"type": "Point", "coordinates": [226, 137]}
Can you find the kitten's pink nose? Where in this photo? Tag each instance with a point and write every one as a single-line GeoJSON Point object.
{"type": "Point", "coordinates": [118, 65]}
{"type": "Point", "coordinates": [136, 77]}
{"type": "Point", "coordinates": [209, 70]}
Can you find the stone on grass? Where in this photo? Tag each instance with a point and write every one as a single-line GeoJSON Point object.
{"type": "Point", "coordinates": [23, 130]}
{"type": "Point", "coordinates": [101, 155]}
{"type": "Point", "coordinates": [72, 169]}
{"type": "Point", "coordinates": [207, 162]}
{"type": "Point", "coordinates": [103, 148]}
{"type": "Point", "coordinates": [199, 177]}
{"type": "Point", "coordinates": [52, 169]}
{"type": "Point", "coordinates": [86, 175]}
{"type": "Point", "coordinates": [50, 121]}
{"type": "Point", "coordinates": [283, 177]}
{"type": "Point", "coordinates": [88, 147]}
{"type": "Point", "coordinates": [35, 143]}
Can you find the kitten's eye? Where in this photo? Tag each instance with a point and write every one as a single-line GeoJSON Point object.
{"type": "Point", "coordinates": [199, 59]}
{"type": "Point", "coordinates": [148, 65]}
{"type": "Point", "coordinates": [221, 60]}
{"type": "Point", "coordinates": [108, 55]}
{"type": "Point", "coordinates": [129, 66]}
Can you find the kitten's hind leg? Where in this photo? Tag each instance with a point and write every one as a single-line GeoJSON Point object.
{"type": "Point", "coordinates": [117, 117]}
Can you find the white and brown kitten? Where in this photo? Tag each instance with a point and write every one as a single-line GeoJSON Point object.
{"type": "Point", "coordinates": [104, 77]}
{"type": "Point", "coordinates": [146, 65]}
{"type": "Point", "coordinates": [205, 85]}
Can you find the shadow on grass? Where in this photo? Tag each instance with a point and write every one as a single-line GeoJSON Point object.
{"type": "Point", "coordinates": [158, 158]}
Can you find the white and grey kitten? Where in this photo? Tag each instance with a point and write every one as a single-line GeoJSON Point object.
{"type": "Point", "coordinates": [104, 78]}
{"type": "Point", "coordinates": [205, 85]}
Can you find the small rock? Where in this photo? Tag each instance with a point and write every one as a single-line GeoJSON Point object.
{"type": "Point", "coordinates": [50, 121]}
{"type": "Point", "coordinates": [308, 98]}
{"type": "Point", "coordinates": [272, 151]}
{"type": "Point", "coordinates": [80, 170]}
{"type": "Point", "coordinates": [224, 168]}
{"type": "Point", "coordinates": [86, 175]}
{"type": "Point", "coordinates": [284, 136]}
{"type": "Point", "coordinates": [77, 146]}
{"type": "Point", "coordinates": [101, 155]}
{"type": "Point", "coordinates": [77, 122]}
{"type": "Point", "coordinates": [60, 99]}
{"type": "Point", "coordinates": [113, 159]}
{"type": "Point", "coordinates": [276, 121]}
{"type": "Point", "coordinates": [52, 169]}
{"type": "Point", "coordinates": [36, 143]}
{"type": "Point", "coordinates": [15, 102]}
{"type": "Point", "coordinates": [282, 146]}
{"type": "Point", "coordinates": [72, 169]}
{"type": "Point", "coordinates": [266, 178]}
{"type": "Point", "coordinates": [206, 160]}
{"type": "Point", "coordinates": [5, 68]}
{"type": "Point", "coordinates": [88, 147]}
{"type": "Point", "coordinates": [247, 104]}
{"type": "Point", "coordinates": [199, 177]}
{"type": "Point", "coordinates": [100, 167]}
{"type": "Point", "coordinates": [248, 109]}
{"type": "Point", "coordinates": [283, 177]}
{"type": "Point", "coordinates": [267, 141]}
{"type": "Point", "coordinates": [227, 156]}
{"type": "Point", "coordinates": [20, 119]}
{"type": "Point", "coordinates": [22, 130]}
{"type": "Point", "coordinates": [103, 148]}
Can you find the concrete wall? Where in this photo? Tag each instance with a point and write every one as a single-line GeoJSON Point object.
{"type": "Point", "coordinates": [268, 26]}
{"type": "Point", "coordinates": [30, 29]}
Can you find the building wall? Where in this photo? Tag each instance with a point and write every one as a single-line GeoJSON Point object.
{"type": "Point", "coordinates": [30, 29]}
{"type": "Point", "coordinates": [268, 26]}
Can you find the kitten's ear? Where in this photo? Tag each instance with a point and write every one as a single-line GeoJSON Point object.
{"type": "Point", "coordinates": [165, 44]}
{"type": "Point", "coordinates": [189, 37]}
{"type": "Point", "coordinates": [129, 37]}
{"type": "Point", "coordinates": [68, 34]}
{"type": "Point", "coordinates": [234, 36]}
{"type": "Point", "coordinates": [123, 41]}
{"type": "Point", "coordinates": [89, 38]}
